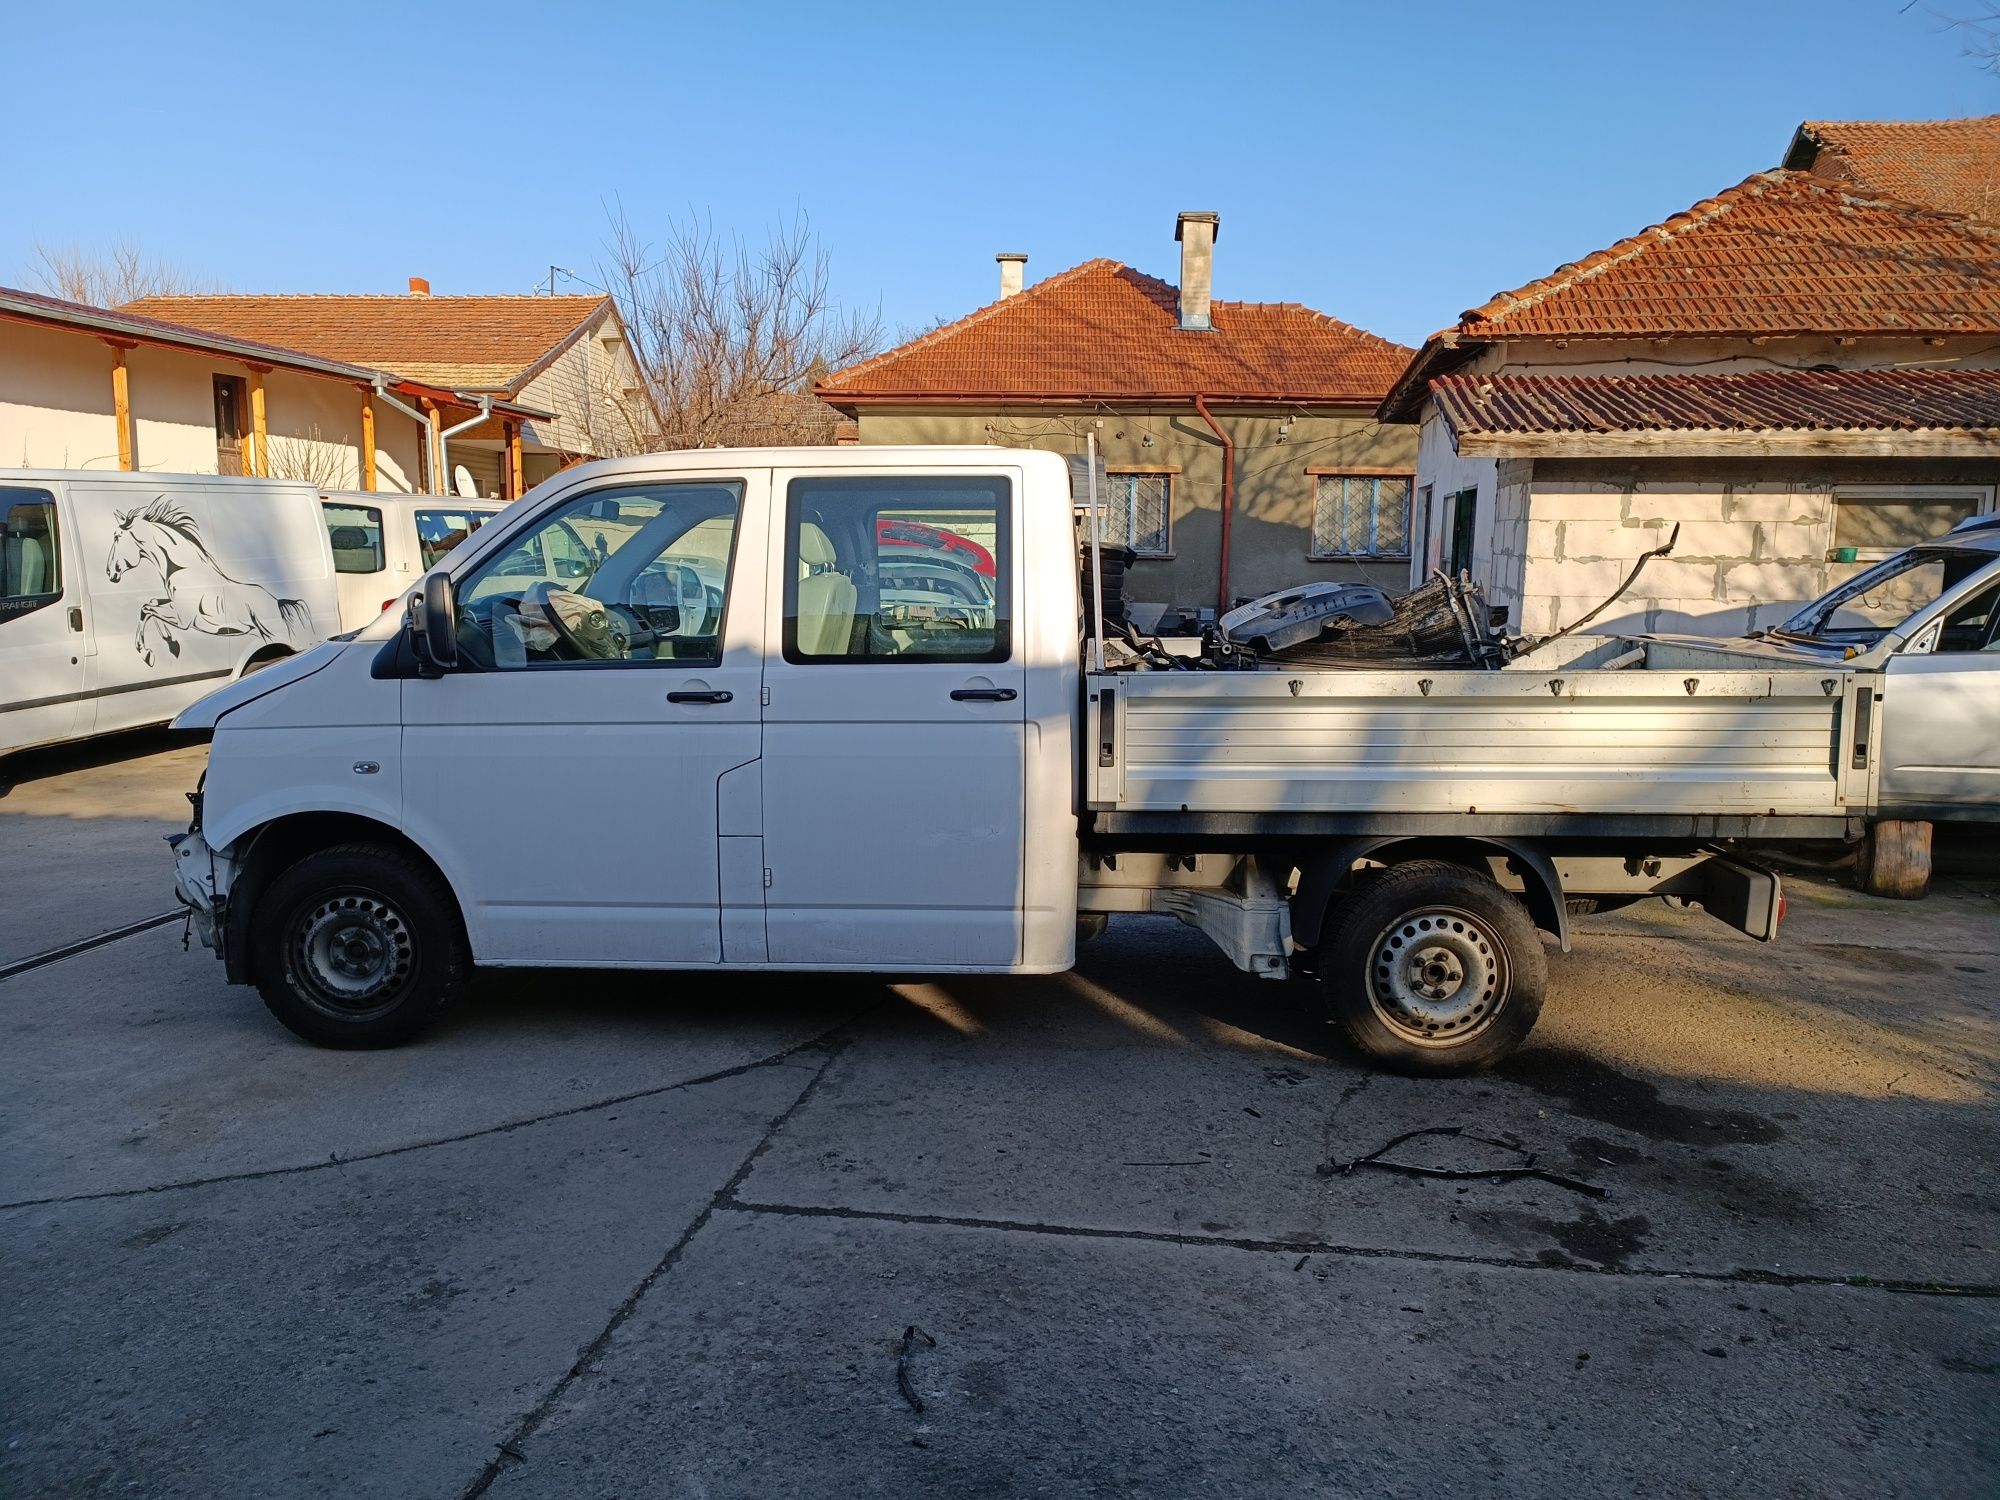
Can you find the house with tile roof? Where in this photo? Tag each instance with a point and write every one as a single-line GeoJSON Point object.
{"type": "Point", "coordinates": [1801, 372]}
{"type": "Point", "coordinates": [566, 357]}
{"type": "Point", "coordinates": [1239, 439]}
{"type": "Point", "coordinates": [86, 387]}
{"type": "Point", "coordinates": [1948, 165]}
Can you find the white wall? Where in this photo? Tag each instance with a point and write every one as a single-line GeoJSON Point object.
{"type": "Point", "coordinates": [595, 369]}
{"type": "Point", "coordinates": [56, 413]}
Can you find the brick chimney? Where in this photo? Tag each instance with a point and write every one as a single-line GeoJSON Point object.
{"type": "Point", "coordinates": [419, 287]}
{"type": "Point", "coordinates": [1196, 232]}
{"type": "Point", "coordinates": [1013, 267]}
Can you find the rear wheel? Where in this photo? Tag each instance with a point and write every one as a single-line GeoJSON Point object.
{"type": "Point", "coordinates": [1433, 969]}
{"type": "Point", "coordinates": [359, 946]}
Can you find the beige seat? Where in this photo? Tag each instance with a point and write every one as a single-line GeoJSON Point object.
{"type": "Point", "coordinates": [28, 568]}
{"type": "Point", "coordinates": [826, 598]}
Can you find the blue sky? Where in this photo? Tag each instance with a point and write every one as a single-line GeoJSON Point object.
{"type": "Point", "coordinates": [1387, 163]}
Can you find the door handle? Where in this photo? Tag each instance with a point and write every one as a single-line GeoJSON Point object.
{"type": "Point", "coordinates": [76, 619]}
{"type": "Point", "coordinates": [983, 695]}
{"type": "Point", "coordinates": [716, 696]}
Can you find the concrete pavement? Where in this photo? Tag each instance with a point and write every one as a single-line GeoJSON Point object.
{"type": "Point", "coordinates": [639, 1235]}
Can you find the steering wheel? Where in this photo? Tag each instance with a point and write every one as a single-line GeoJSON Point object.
{"type": "Point", "coordinates": [580, 622]}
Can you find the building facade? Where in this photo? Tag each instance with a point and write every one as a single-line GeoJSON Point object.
{"type": "Point", "coordinates": [1239, 440]}
{"type": "Point", "coordinates": [1798, 374]}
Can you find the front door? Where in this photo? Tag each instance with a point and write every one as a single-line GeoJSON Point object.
{"type": "Point", "coordinates": [42, 626]}
{"type": "Point", "coordinates": [1941, 713]}
{"type": "Point", "coordinates": [893, 764]}
{"type": "Point", "coordinates": [565, 774]}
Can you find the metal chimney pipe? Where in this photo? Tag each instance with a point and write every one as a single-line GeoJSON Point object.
{"type": "Point", "coordinates": [1197, 232]}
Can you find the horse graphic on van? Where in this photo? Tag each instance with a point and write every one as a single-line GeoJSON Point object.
{"type": "Point", "coordinates": [199, 595]}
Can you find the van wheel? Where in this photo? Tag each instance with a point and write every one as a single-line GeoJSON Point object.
{"type": "Point", "coordinates": [1432, 969]}
{"type": "Point", "coordinates": [359, 946]}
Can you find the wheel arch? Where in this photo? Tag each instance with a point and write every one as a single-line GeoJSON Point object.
{"type": "Point", "coordinates": [1329, 870]}
{"type": "Point", "coordinates": [275, 846]}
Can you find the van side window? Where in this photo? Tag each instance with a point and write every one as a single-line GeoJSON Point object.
{"type": "Point", "coordinates": [30, 552]}
{"type": "Point", "coordinates": [637, 575]}
{"type": "Point", "coordinates": [898, 568]}
{"type": "Point", "coordinates": [438, 531]}
{"type": "Point", "coordinates": [1974, 625]}
{"type": "Point", "coordinates": [356, 533]}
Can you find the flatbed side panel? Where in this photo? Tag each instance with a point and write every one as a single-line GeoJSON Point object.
{"type": "Point", "coordinates": [1749, 743]}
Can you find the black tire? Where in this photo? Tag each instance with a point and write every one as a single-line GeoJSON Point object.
{"type": "Point", "coordinates": [1433, 970]}
{"type": "Point", "coordinates": [358, 946]}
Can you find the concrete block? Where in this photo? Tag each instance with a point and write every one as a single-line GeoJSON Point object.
{"type": "Point", "coordinates": [1699, 617]}
{"type": "Point", "coordinates": [1678, 504]}
{"type": "Point", "coordinates": [1784, 505]}
{"type": "Point", "coordinates": [1790, 539]}
{"type": "Point", "coordinates": [1596, 579]}
{"type": "Point", "coordinates": [1731, 539]}
{"type": "Point", "coordinates": [1670, 578]}
{"type": "Point", "coordinates": [1768, 582]}
{"type": "Point", "coordinates": [1605, 539]}
{"type": "Point", "coordinates": [1544, 538]}
{"type": "Point", "coordinates": [1573, 505]}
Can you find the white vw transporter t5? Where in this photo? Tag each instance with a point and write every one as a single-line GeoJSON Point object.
{"type": "Point", "coordinates": [826, 709]}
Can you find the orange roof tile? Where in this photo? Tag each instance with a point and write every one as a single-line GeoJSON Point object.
{"type": "Point", "coordinates": [1103, 332]}
{"type": "Point", "coordinates": [467, 343]}
{"type": "Point", "coordinates": [1781, 254]}
{"type": "Point", "coordinates": [1949, 165]}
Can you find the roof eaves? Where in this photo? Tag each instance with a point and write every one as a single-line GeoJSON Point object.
{"type": "Point", "coordinates": [568, 342]}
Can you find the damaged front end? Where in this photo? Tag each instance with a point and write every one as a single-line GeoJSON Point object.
{"type": "Point", "coordinates": [202, 881]}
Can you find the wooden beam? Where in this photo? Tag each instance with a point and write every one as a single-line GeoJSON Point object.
{"type": "Point", "coordinates": [260, 433]}
{"type": "Point", "coordinates": [367, 441]}
{"type": "Point", "coordinates": [440, 481]}
{"type": "Point", "coordinates": [513, 469]}
{"type": "Point", "coordinates": [1968, 443]}
{"type": "Point", "coordinates": [121, 407]}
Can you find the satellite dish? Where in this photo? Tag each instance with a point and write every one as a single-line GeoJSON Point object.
{"type": "Point", "coordinates": [462, 482]}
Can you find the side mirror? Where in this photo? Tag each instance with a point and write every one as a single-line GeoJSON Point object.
{"type": "Point", "coordinates": [434, 624]}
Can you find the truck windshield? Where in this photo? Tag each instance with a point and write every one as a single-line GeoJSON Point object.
{"type": "Point", "coordinates": [1868, 606]}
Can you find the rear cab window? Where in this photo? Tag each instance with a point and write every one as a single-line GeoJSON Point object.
{"type": "Point", "coordinates": [30, 552]}
{"type": "Point", "coordinates": [356, 534]}
{"type": "Point", "coordinates": [898, 568]}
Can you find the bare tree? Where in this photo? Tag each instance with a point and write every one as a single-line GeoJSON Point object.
{"type": "Point", "coordinates": [314, 458]}
{"type": "Point", "coordinates": [1978, 28]}
{"type": "Point", "coordinates": [112, 278]}
{"type": "Point", "coordinates": [728, 340]}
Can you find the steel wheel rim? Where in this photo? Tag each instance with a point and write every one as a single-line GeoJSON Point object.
{"type": "Point", "coordinates": [1437, 976]}
{"type": "Point", "coordinates": [353, 954]}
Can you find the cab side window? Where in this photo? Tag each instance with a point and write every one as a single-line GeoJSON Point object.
{"type": "Point", "coordinates": [356, 534]}
{"type": "Point", "coordinates": [901, 568]}
{"type": "Point", "coordinates": [30, 552]}
{"type": "Point", "coordinates": [633, 576]}
{"type": "Point", "coordinates": [1972, 626]}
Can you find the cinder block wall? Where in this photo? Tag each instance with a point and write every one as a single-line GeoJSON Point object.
{"type": "Point", "coordinates": [1753, 542]}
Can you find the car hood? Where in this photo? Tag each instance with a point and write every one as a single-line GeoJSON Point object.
{"type": "Point", "coordinates": [204, 713]}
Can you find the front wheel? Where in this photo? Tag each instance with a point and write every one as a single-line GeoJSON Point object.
{"type": "Point", "coordinates": [1433, 969]}
{"type": "Point", "coordinates": [359, 946]}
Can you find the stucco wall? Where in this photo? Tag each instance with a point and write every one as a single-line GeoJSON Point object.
{"type": "Point", "coordinates": [1754, 536]}
{"type": "Point", "coordinates": [1271, 536]}
{"type": "Point", "coordinates": [56, 412]}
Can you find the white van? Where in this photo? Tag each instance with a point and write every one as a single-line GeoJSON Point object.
{"type": "Point", "coordinates": [125, 597]}
{"type": "Point", "coordinates": [382, 544]}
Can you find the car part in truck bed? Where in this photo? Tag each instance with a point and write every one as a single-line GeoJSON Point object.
{"type": "Point", "coordinates": [1443, 623]}
{"type": "Point", "coordinates": [1295, 616]}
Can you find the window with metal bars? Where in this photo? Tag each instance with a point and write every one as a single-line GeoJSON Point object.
{"type": "Point", "coordinates": [1138, 512]}
{"type": "Point", "coordinates": [1361, 515]}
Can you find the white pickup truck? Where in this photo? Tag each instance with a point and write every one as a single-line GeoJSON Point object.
{"type": "Point", "coordinates": [829, 709]}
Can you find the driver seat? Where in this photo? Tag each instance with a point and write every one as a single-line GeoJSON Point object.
{"type": "Point", "coordinates": [826, 597]}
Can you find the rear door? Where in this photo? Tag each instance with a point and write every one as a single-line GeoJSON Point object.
{"type": "Point", "coordinates": [1941, 712]}
{"type": "Point", "coordinates": [42, 622]}
{"type": "Point", "coordinates": [894, 731]}
{"type": "Point", "coordinates": [359, 538]}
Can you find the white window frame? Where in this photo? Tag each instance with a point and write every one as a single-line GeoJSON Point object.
{"type": "Point", "coordinates": [1982, 496]}
{"type": "Point", "coordinates": [1116, 501]}
{"type": "Point", "coordinates": [1409, 482]}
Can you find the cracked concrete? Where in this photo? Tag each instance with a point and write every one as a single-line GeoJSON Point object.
{"type": "Point", "coordinates": [617, 1235]}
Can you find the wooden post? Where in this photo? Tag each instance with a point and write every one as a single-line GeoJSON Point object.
{"type": "Point", "coordinates": [367, 441]}
{"type": "Point", "coordinates": [513, 467]}
{"type": "Point", "coordinates": [440, 481]}
{"type": "Point", "coordinates": [1896, 860]}
{"type": "Point", "coordinates": [260, 435]}
{"type": "Point", "coordinates": [121, 405]}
